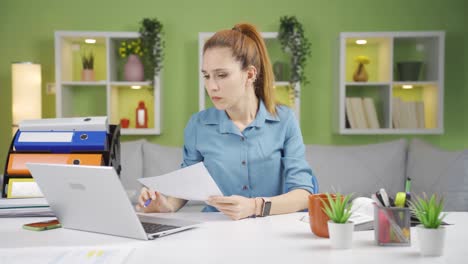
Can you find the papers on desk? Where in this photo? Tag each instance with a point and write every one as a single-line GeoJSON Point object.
{"type": "Point", "coordinates": [189, 183]}
{"type": "Point", "coordinates": [66, 255]}
{"type": "Point", "coordinates": [25, 207]}
{"type": "Point", "coordinates": [363, 213]}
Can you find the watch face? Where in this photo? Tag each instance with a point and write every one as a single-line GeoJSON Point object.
{"type": "Point", "coordinates": [266, 208]}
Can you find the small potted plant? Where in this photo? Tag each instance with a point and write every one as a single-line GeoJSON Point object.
{"type": "Point", "coordinates": [132, 51]}
{"type": "Point", "coordinates": [431, 234]}
{"type": "Point", "coordinates": [338, 209]}
{"type": "Point", "coordinates": [87, 74]}
{"type": "Point", "coordinates": [151, 36]}
{"type": "Point", "coordinates": [293, 40]}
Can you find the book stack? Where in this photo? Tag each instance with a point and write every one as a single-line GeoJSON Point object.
{"type": "Point", "coordinates": [361, 113]}
{"type": "Point", "coordinates": [77, 141]}
{"type": "Point", "coordinates": [407, 114]}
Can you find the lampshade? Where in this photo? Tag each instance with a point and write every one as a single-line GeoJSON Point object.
{"type": "Point", "coordinates": [26, 92]}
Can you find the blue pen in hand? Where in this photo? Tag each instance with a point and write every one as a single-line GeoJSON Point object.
{"type": "Point", "coordinates": [147, 202]}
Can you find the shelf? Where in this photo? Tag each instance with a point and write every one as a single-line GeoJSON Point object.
{"type": "Point", "coordinates": [367, 84]}
{"type": "Point", "coordinates": [416, 107]}
{"type": "Point", "coordinates": [139, 131]}
{"type": "Point", "coordinates": [419, 55]}
{"type": "Point", "coordinates": [130, 83]}
{"type": "Point", "coordinates": [377, 50]}
{"type": "Point", "coordinates": [83, 100]}
{"type": "Point", "coordinates": [391, 131]}
{"type": "Point", "coordinates": [109, 95]}
{"type": "Point", "coordinates": [406, 101]}
{"type": "Point", "coordinates": [84, 83]}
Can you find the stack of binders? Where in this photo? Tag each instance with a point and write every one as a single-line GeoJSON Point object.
{"type": "Point", "coordinates": [77, 141]}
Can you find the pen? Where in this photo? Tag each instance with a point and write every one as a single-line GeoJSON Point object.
{"type": "Point", "coordinates": [408, 185]}
{"type": "Point", "coordinates": [147, 202]}
{"type": "Point", "coordinates": [408, 191]}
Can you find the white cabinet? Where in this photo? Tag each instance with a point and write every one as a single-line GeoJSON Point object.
{"type": "Point", "coordinates": [108, 94]}
{"type": "Point", "coordinates": [285, 94]}
{"type": "Point", "coordinates": [405, 83]}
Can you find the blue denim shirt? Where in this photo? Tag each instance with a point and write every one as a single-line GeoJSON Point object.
{"type": "Point", "coordinates": [265, 160]}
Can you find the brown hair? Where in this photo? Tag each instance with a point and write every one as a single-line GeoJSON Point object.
{"type": "Point", "coordinates": [248, 47]}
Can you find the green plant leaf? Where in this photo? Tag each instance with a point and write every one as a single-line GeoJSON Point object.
{"type": "Point", "coordinates": [292, 39]}
{"type": "Point", "coordinates": [428, 210]}
{"type": "Point", "coordinates": [338, 208]}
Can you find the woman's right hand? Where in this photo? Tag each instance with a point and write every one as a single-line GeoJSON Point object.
{"type": "Point", "coordinates": [159, 203]}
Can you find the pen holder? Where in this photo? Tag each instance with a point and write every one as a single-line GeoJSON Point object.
{"type": "Point", "coordinates": [392, 226]}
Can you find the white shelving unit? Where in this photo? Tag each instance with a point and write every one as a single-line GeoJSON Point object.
{"type": "Point", "coordinates": [202, 37]}
{"type": "Point", "coordinates": [109, 94]}
{"type": "Point", "coordinates": [385, 86]}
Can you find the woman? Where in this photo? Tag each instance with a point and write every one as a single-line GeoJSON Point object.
{"type": "Point", "coordinates": [251, 146]}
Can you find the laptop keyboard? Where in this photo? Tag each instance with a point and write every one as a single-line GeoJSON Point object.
{"type": "Point", "coordinates": [152, 228]}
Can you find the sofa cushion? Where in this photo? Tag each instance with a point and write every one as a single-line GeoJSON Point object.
{"type": "Point", "coordinates": [361, 170]}
{"type": "Point", "coordinates": [160, 159]}
{"type": "Point", "coordinates": [433, 170]}
{"type": "Point", "coordinates": [131, 160]}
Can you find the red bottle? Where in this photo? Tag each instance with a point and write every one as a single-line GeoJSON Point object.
{"type": "Point", "coordinates": [141, 116]}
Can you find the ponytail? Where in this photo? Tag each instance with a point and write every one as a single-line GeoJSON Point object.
{"type": "Point", "coordinates": [248, 47]}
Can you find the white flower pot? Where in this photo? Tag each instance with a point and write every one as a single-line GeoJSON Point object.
{"type": "Point", "coordinates": [431, 241]}
{"type": "Point", "coordinates": [341, 235]}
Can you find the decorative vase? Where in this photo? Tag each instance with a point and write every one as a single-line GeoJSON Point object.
{"type": "Point", "coordinates": [361, 74]}
{"type": "Point", "coordinates": [87, 75]}
{"type": "Point", "coordinates": [124, 122]}
{"type": "Point", "coordinates": [133, 69]}
{"type": "Point", "coordinates": [409, 70]}
{"type": "Point", "coordinates": [431, 241]}
{"type": "Point", "coordinates": [318, 218]}
{"type": "Point", "coordinates": [141, 115]}
{"type": "Point", "coordinates": [341, 235]}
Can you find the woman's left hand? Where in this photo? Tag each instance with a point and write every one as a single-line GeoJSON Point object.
{"type": "Point", "coordinates": [235, 206]}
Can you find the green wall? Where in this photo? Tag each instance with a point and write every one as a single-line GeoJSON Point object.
{"type": "Point", "coordinates": [27, 32]}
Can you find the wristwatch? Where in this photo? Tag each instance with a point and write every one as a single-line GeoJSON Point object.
{"type": "Point", "coordinates": [266, 206]}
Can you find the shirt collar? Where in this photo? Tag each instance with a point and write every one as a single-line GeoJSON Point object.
{"type": "Point", "coordinates": [218, 117]}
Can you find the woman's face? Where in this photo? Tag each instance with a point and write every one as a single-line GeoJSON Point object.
{"type": "Point", "coordinates": [225, 81]}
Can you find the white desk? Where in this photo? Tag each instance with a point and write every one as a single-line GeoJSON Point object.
{"type": "Point", "coordinates": [276, 239]}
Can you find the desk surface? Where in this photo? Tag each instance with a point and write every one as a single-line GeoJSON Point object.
{"type": "Point", "coordinates": [275, 239]}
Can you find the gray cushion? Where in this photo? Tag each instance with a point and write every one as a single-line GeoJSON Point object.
{"type": "Point", "coordinates": [433, 170]}
{"type": "Point", "coordinates": [361, 170]}
{"type": "Point", "coordinates": [131, 159]}
{"type": "Point", "coordinates": [160, 159]}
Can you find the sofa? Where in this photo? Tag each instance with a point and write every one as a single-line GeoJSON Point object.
{"type": "Point", "coordinates": [361, 170]}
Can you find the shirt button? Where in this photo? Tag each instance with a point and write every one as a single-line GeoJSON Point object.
{"type": "Point", "coordinates": [242, 138]}
{"type": "Point", "coordinates": [243, 162]}
{"type": "Point", "coordinates": [245, 187]}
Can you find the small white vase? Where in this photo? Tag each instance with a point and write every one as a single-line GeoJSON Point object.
{"type": "Point", "coordinates": [431, 241]}
{"type": "Point", "coordinates": [341, 235]}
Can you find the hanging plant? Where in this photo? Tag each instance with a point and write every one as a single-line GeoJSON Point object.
{"type": "Point", "coordinates": [293, 41]}
{"type": "Point", "coordinates": [153, 44]}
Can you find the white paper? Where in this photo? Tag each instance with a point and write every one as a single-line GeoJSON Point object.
{"type": "Point", "coordinates": [189, 183]}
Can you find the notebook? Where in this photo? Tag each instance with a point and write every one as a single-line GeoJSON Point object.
{"type": "Point", "coordinates": [91, 198]}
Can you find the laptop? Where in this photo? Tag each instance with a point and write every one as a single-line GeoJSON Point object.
{"type": "Point", "coordinates": [91, 198]}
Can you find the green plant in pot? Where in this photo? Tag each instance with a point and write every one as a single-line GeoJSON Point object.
{"type": "Point", "coordinates": [292, 38]}
{"type": "Point", "coordinates": [338, 209]}
{"type": "Point", "coordinates": [87, 60]}
{"type": "Point", "coordinates": [151, 33]}
{"type": "Point", "coordinates": [431, 233]}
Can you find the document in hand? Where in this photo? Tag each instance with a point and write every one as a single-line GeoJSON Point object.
{"type": "Point", "coordinates": [190, 183]}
